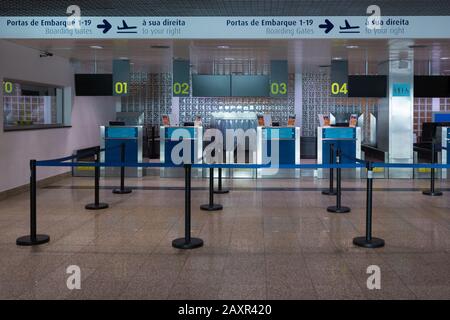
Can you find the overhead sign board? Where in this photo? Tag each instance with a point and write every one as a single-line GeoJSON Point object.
{"type": "Point", "coordinates": [339, 78]}
{"type": "Point", "coordinates": [279, 78]}
{"type": "Point", "coordinates": [181, 75]}
{"type": "Point", "coordinates": [121, 77]}
{"type": "Point", "coordinates": [316, 27]}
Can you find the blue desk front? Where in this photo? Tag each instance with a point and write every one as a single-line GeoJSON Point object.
{"type": "Point", "coordinates": [112, 138]}
{"type": "Point", "coordinates": [172, 136]}
{"type": "Point", "coordinates": [341, 138]}
{"type": "Point", "coordinates": [115, 137]}
{"type": "Point", "coordinates": [288, 139]}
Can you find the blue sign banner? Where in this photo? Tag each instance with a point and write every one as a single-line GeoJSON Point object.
{"type": "Point", "coordinates": [315, 27]}
{"type": "Point", "coordinates": [401, 90]}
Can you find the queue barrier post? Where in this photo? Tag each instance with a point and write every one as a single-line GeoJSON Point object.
{"type": "Point", "coordinates": [211, 206]}
{"type": "Point", "coordinates": [368, 241]}
{"type": "Point", "coordinates": [338, 208]}
{"type": "Point", "coordinates": [187, 242]}
{"type": "Point", "coordinates": [432, 192]}
{"type": "Point", "coordinates": [97, 205]}
{"type": "Point", "coordinates": [220, 190]}
{"type": "Point", "coordinates": [122, 189]}
{"type": "Point", "coordinates": [33, 238]}
{"type": "Point", "coordinates": [331, 191]}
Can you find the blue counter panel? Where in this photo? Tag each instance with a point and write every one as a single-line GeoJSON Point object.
{"type": "Point", "coordinates": [121, 132]}
{"type": "Point", "coordinates": [348, 149]}
{"type": "Point", "coordinates": [169, 131]}
{"type": "Point", "coordinates": [280, 133]}
{"type": "Point", "coordinates": [286, 151]}
{"type": "Point", "coordinates": [168, 147]}
{"type": "Point", "coordinates": [448, 145]}
{"type": "Point", "coordinates": [112, 153]}
{"type": "Point", "coordinates": [339, 133]}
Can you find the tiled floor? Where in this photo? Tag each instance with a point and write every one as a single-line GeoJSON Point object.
{"type": "Point", "coordinates": [265, 244]}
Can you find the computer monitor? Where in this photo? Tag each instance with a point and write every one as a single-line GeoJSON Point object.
{"type": "Point", "coordinates": [117, 123]}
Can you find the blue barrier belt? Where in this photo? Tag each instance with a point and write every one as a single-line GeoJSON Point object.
{"type": "Point", "coordinates": [50, 163]}
{"type": "Point", "coordinates": [410, 165]}
{"type": "Point", "coordinates": [75, 156]}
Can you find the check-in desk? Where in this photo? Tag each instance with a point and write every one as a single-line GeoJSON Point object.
{"type": "Point", "coordinates": [112, 137]}
{"type": "Point", "coordinates": [347, 139]}
{"type": "Point", "coordinates": [171, 141]}
{"type": "Point", "coordinates": [444, 157]}
{"type": "Point", "coordinates": [278, 145]}
{"type": "Point", "coordinates": [245, 122]}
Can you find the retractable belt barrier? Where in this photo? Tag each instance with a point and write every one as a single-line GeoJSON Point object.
{"type": "Point", "coordinates": [188, 242]}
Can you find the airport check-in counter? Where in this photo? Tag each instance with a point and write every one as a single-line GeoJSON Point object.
{"type": "Point", "coordinates": [288, 141]}
{"type": "Point", "coordinates": [445, 155]}
{"type": "Point", "coordinates": [348, 139]}
{"type": "Point", "coordinates": [112, 138]}
{"type": "Point", "coordinates": [173, 136]}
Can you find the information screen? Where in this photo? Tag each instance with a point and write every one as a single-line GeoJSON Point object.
{"type": "Point", "coordinates": [211, 86]}
{"type": "Point", "coordinates": [93, 84]}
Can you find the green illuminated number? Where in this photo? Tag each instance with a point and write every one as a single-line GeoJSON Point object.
{"type": "Point", "coordinates": [337, 89]}
{"type": "Point", "coordinates": [181, 88]}
{"type": "Point", "coordinates": [8, 87]}
{"type": "Point", "coordinates": [121, 87]}
{"type": "Point", "coordinates": [278, 88]}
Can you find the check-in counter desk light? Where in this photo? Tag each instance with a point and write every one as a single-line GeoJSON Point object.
{"type": "Point", "coordinates": [167, 144]}
{"type": "Point", "coordinates": [348, 139]}
{"type": "Point", "coordinates": [111, 138]}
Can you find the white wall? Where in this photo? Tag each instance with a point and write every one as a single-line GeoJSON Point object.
{"type": "Point", "coordinates": [18, 147]}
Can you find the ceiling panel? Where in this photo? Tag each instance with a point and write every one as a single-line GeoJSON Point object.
{"type": "Point", "coordinates": [309, 55]}
{"type": "Point", "coordinates": [224, 7]}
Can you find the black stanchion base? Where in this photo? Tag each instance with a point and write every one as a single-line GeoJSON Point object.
{"type": "Point", "coordinates": [433, 194]}
{"type": "Point", "coordinates": [93, 206]}
{"type": "Point", "coordinates": [27, 241]}
{"type": "Point", "coordinates": [181, 243]}
{"type": "Point", "coordinates": [329, 193]}
{"type": "Point", "coordinates": [120, 191]}
{"type": "Point", "coordinates": [221, 191]}
{"type": "Point", "coordinates": [213, 207]}
{"type": "Point", "coordinates": [338, 210]}
{"type": "Point", "coordinates": [373, 243]}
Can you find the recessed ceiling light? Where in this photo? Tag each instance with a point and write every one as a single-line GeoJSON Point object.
{"type": "Point", "coordinates": [352, 47]}
{"type": "Point", "coordinates": [123, 58]}
{"type": "Point", "coordinates": [445, 58]}
{"type": "Point", "coordinates": [223, 47]}
{"type": "Point", "coordinates": [337, 58]}
{"type": "Point", "coordinates": [229, 59]}
{"type": "Point", "coordinates": [96, 47]}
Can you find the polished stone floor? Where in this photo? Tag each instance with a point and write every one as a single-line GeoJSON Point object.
{"type": "Point", "coordinates": [277, 242]}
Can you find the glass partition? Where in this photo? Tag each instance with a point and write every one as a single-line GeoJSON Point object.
{"type": "Point", "coordinates": [28, 105]}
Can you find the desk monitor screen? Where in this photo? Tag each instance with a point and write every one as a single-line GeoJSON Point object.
{"type": "Point", "coordinates": [116, 123]}
{"type": "Point", "coordinates": [342, 119]}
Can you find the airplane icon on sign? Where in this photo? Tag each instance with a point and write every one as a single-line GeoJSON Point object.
{"type": "Point", "coordinates": [126, 27]}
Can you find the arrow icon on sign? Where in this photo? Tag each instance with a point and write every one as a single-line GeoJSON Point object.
{"type": "Point", "coordinates": [106, 26]}
{"type": "Point", "coordinates": [328, 26]}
